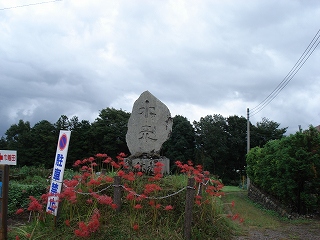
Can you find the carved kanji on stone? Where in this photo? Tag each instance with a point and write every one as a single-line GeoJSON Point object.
{"type": "Point", "coordinates": [149, 125]}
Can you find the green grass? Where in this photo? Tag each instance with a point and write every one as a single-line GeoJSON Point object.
{"type": "Point", "coordinates": [253, 214]}
{"type": "Point", "coordinates": [231, 189]}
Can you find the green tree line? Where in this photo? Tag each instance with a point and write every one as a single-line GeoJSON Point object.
{"type": "Point", "coordinates": [287, 168]}
{"type": "Point", "coordinates": [216, 142]}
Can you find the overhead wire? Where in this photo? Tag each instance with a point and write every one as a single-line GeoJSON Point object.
{"type": "Point", "coordinates": [31, 4]}
{"type": "Point", "coordinates": [301, 61]}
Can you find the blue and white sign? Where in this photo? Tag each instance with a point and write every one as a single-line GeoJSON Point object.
{"type": "Point", "coordinates": [58, 171]}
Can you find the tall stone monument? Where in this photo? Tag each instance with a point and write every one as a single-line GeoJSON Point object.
{"type": "Point", "coordinates": [149, 126]}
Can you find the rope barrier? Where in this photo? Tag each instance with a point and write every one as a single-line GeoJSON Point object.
{"type": "Point", "coordinates": [136, 194]}
{"type": "Point", "coordinates": [130, 191]}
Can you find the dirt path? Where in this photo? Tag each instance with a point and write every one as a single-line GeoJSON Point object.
{"type": "Point", "coordinates": [279, 229]}
{"type": "Point", "coordinates": [286, 231]}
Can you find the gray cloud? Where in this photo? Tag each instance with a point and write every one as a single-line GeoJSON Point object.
{"type": "Point", "coordinates": [199, 58]}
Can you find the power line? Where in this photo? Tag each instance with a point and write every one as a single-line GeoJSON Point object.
{"type": "Point", "coordinates": [301, 61]}
{"type": "Point", "coordinates": [31, 4]}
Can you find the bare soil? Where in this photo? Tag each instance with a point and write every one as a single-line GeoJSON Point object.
{"type": "Point", "coordinates": [285, 231]}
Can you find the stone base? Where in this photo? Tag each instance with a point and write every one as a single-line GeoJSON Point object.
{"type": "Point", "coordinates": [147, 165]}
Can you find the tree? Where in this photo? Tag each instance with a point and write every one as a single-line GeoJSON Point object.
{"type": "Point", "coordinates": [211, 143]}
{"type": "Point", "coordinates": [109, 132]}
{"type": "Point", "coordinates": [18, 137]}
{"type": "Point", "coordinates": [81, 145]}
{"type": "Point", "coordinates": [181, 144]}
{"type": "Point", "coordinates": [265, 131]}
{"type": "Point", "coordinates": [44, 142]}
{"type": "Point", "coordinates": [237, 147]}
{"type": "Point", "coordinates": [3, 143]}
{"type": "Point", "coordinates": [63, 123]}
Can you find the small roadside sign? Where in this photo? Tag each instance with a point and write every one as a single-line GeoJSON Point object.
{"type": "Point", "coordinates": [8, 157]}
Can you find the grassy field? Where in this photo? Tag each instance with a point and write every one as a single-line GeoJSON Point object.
{"type": "Point", "coordinates": [253, 214]}
{"type": "Point", "coordinates": [258, 218]}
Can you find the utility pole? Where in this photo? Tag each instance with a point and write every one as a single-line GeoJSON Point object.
{"type": "Point", "coordinates": [248, 142]}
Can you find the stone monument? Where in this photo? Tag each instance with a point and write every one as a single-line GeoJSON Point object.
{"type": "Point", "coordinates": [149, 126]}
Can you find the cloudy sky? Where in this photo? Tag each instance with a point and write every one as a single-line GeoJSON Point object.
{"type": "Point", "coordinates": [76, 57]}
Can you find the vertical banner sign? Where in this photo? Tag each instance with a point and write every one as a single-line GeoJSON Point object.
{"type": "Point", "coordinates": [57, 173]}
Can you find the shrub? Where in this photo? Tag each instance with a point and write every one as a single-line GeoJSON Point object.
{"type": "Point", "coordinates": [287, 169]}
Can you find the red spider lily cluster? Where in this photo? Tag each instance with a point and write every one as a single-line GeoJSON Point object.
{"type": "Point", "coordinates": [212, 186]}
{"type": "Point", "coordinates": [88, 184]}
{"type": "Point", "coordinates": [92, 226]}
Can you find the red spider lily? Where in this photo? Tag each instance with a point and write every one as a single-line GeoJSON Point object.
{"type": "Point", "coordinates": [94, 182]}
{"type": "Point", "coordinates": [156, 177]}
{"type": "Point", "coordinates": [84, 168]}
{"type": "Point", "coordinates": [130, 196]}
{"type": "Point", "coordinates": [241, 220]}
{"type": "Point", "coordinates": [236, 216]}
{"type": "Point", "coordinates": [158, 168]}
{"type": "Point", "coordinates": [19, 211]}
{"type": "Point", "coordinates": [34, 205]}
{"type": "Point", "coordinates": [130, 176]}
{"type": "Point", "coordinates": [108, 179]}
{"type": "Point", "coordinates": [85, 229]}
{"type": "Point", "coordinates": [158, 206]}
{"type": "Point", "coordinates": [94, 194]}
{"type": "Point", "coordinates": [198, 197]}
{"type": "Point", "coordinates": [94, 164]}
{"type": "Point", "coordinates": [28, 235]}
{"type": "Point", "coordinates": [89, 201]}
{"type": "Point", "coordinates": [121, 155]}
{"type": "Point", "coordinates": [67, 222]}
{"type": "Point", "coordinates": [77, 163]}
{"type": "Point", "coordinates": [115, 165]}
{"type": "Point", "coordinates": [69, 194]}
{"type": "Point", "coordinates": [141, 197]}
{"type": "Point", "coordinates": [140, 174]}
{"type": "Point", "coordinates": [121, 173]}
{"type": "Point", "coordinates": [71, 183]}
{"type": "Point", "coordinates": [198, 200]}
{"type": "Point", "coordinates": [198, 179]}
{"type": "Point", "coordinates": [135, 227]}
{"type": "Point", "coordinates": [107, 160]}
{"type": "Point", "coordinates": [114, 206]}
{"type": "Point", "coordinates": [199, 168]}
{"type": "Point", "coordinates": [104, 199]}
{"type": "Point", "coordinates": [232, 204]}
{"type": "Point", "coordinates": [137, 166]}
{"type": "Point", "coordinates": [190, 163]}
{"type": "Point", "coordinates": [101, 155]}
{"type": "Point", "coordinates": [94, 224]}
{"type": "Point", "coordinates": [17, 237]}
{"type": "Point", "coordinates": [151, 187]}
{"type": "Point", "coordinates": [168, 208]}
{"type": "Point", "coordinates": [82, 231]}
{"type": "Point", "coordinates": [152, 203]}
{"type": "Point", "coordinates": [138, 206]}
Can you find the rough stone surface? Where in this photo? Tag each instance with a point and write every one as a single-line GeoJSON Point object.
{"type": "Point", "coordinates": [147, 164]}
{"type": "Point", "coordinates": [257, 195]}
{"type": "Point", "coordinates": [149, 126]}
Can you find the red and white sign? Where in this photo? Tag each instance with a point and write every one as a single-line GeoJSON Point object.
{"type": "Point", "coordinates": [58, 171]}
{"type": "Point", "coordinates": [8, 157]}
